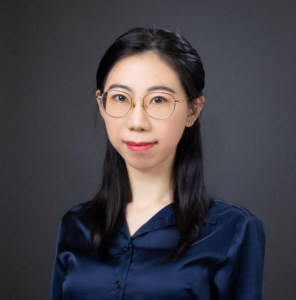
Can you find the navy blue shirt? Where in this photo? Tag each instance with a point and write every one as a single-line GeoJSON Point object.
{"type": "Point", "coordinates": [225, 262]}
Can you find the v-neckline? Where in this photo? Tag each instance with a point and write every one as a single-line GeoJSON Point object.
{"type": "Point", "coordinates": [145, 224]}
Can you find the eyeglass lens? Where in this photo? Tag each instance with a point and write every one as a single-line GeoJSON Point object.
{"type": "Point", "coordinates": [157, 104]}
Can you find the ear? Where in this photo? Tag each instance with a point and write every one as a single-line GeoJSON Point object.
{"type": "Point", "coordinates": [99, 101]}
{"type": "Point", "coordinates": [195, 110]}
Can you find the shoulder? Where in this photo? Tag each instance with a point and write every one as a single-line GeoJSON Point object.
{"type": "Point", "coordinates": [223, 213]}
{"type": "Point", "coordinates": [222, 206]}
{"type": "Point", "coordinates": [74, 230]}
{"type": "Point", "coordinates": [74, 213]}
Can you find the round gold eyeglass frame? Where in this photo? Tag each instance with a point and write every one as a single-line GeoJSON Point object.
{"type": "Point", "coordinates": [100, 97]}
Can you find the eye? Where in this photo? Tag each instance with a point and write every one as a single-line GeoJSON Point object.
{"type": "Point", "coordinates": [120, 98]}
{"type": "Point", "coordinates": [159, 100]}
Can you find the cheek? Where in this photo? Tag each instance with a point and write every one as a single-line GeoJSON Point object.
{"type": "Point", "coordinates": [171, 134]}
{"type": "Point", "coordinates": [114, 132]}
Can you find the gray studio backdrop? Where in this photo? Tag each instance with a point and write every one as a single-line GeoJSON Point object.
{"type": "Point", "coordinates": [51, 152]}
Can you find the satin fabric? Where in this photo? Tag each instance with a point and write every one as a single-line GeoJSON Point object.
{"type": "Point", "coordinates": [225, 262]}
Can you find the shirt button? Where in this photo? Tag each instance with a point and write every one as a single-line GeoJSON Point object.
{"type": "Point", "coordinates": [117, 284]}
{"type": "Point", "coordinates": [128, 245]}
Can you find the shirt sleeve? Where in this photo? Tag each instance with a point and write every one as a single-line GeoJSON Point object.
{"type": "Point", "coordinates": [58, 270]}
{"type": "Point", "coordinates": [240, 276]}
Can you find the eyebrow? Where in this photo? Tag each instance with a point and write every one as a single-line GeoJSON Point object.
{"type": "Point", "coordinates": [152, 88]}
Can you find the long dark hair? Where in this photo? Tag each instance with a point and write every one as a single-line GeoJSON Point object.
{"type": "Point", "coordinates": [106, 212]}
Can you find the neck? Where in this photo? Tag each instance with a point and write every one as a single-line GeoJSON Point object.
{"type": "Point", "coordinates": [150, 186]}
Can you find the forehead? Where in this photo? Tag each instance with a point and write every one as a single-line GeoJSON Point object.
{"type": "Point", "coordinates": [139, 72]}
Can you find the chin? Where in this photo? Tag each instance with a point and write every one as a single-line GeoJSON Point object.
{"type": "Point", "coordinates": [140, 166]}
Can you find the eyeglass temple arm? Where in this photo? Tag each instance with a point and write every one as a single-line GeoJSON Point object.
{"type": "Point", "coordinates": [178, 101]}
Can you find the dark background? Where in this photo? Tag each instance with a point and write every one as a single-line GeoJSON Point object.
{"type": "Point", "coordinates": [51, 151]}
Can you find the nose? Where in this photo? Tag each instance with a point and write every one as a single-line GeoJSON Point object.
{"type": "Point", "coordinates": [137, 117]}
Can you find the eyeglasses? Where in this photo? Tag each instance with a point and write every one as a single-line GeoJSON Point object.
{"type": "Point", "coordinates": [158, 105]}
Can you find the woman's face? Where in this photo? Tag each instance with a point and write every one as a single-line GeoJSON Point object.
{"type": "Point", "coordinates": [139, 73]}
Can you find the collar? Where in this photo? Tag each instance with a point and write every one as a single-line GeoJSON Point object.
{"type": "Point", "coordinates": [165, 217]}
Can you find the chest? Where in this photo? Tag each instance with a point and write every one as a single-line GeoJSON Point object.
{"type": "Point", "coordinates": [135, 272]}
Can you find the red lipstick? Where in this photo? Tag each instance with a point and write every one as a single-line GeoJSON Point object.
{"type": "Point", "coordinates": [139, 147]}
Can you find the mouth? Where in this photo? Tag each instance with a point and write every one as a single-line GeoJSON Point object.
{"type": "Point", "coordinates": [141, 146]}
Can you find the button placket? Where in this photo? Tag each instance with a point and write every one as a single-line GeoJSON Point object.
{"type": "Point", "coordinates": [122, 270]}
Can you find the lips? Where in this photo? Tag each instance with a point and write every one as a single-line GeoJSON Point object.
{"type": "Point", "coordinates": [139, 144]}
{"type": "Point", "coordinates": [139, 147]}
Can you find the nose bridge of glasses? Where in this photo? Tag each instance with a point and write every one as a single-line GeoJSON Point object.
{"type": "Point", "coordinates": [133, 104]}
{"type": "Point", "coordinates": [142, 104]}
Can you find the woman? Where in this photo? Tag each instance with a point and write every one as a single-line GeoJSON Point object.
{"type": "Point", "coordinates": [152, 231]}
